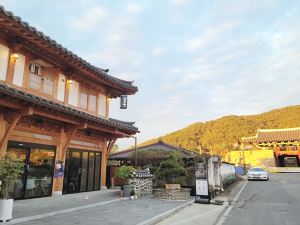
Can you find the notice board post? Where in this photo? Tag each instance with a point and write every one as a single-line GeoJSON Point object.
{"type": "Point", "coordinates": [202, 190]}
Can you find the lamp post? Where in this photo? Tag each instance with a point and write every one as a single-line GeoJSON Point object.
{"type": "Point", "coordinates": [135, 151]}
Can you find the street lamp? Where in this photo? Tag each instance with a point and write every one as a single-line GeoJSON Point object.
{"type": "Point", "coordinates": [135, 150]}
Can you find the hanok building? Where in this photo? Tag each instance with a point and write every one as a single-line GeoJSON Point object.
{"type": "Point", "coordinates": [284, 142]}
{"type": "Point", "coordinates": [54, 112]}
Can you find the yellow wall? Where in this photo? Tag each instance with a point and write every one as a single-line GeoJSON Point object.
{"type": "Point", "coordinates": [252, 157]}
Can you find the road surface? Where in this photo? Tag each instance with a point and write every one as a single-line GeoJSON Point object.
{"type": "Point", "coordinates": [273, 202]}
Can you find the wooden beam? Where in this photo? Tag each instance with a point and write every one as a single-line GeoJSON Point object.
{"type": "Point", "coordinates": [55, 117]}
{"type": "Point", "coordinates": [69, 135]}
{"type": "Point", "coordinates": [106, 130]}
{"type": "Point", "coordinates": [16, 118]}
{"type": "Point", "coordinates": [110, 145]}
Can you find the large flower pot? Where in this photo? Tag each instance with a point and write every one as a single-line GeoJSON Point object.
{"type": "Point", "coordinates": [6, 207]}
{"type": "Point", "coordinates": [126, 190]}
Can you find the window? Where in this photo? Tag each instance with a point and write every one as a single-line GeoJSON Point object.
{"type": "Point", "coordinates": [41, 79]}
{"type": "Point", "coordinates": [92, 102]}
{"type": "Point", "coordinates": [87, 99]}
{"type": "Point", "coordinates": [35, 77]}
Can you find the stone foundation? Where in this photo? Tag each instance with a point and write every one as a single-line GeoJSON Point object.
{"type": "Point", "coordinates": [181, 194]}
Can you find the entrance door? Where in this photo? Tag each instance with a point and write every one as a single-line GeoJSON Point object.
{"type": "Point", "coordinates": [36, 178]}
{"type": "Point", "coordinates": [82, 172]}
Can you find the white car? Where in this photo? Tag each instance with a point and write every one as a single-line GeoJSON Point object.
{"type": "Point", "coordinates": [257, 173]}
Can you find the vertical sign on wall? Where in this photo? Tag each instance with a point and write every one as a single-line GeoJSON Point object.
{"type": "Point", "coordinates": [202, 193]}
{"type": "Point", "coordinates": [123, 102]}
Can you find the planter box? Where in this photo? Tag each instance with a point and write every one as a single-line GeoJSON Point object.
{"type": "Point", "coordinates": [6, 207]}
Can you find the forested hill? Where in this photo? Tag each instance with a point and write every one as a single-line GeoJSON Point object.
{"type": "Point", "coordinates": [221, 134]}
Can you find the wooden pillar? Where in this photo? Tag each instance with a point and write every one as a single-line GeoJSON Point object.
{"type": "Point", "coordinates": [103, 164]}
{"type": "Point", "coordinates": [58, 181]}
{"type": "Point", "coordinates": [2, 130]}
{"type": "Point", "coordinates": [108, 145]}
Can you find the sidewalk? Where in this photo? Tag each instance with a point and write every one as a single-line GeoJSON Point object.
{"type": "Point", "coordinates": [38, 206]}
{"type": "Point", "coordinates": [102, 207]}
{"type": "Point", "coordinates": [202, 214]}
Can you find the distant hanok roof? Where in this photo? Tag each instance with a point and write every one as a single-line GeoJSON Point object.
{"type": "Point", "coordinates": [160, 145]}
{"type": "Point", "coordinates": [274, 135]}
{"type": "Point", "coordinates": [19, 30]}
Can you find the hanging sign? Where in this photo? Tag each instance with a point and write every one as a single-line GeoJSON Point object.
{"type": "Point", "coordinates": [123, 102]}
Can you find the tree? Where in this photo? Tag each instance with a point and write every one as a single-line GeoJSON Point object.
{"type": "Point", "coordinates": [170, 171]}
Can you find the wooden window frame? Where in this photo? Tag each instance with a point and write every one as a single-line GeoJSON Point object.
{"type": "Point", "coordinates": [43, 76]}
{"type": "Point", "coordinates": [89, 92]}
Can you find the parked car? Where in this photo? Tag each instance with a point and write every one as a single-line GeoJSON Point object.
{"type": "Point", "coordinates": [257, 173]}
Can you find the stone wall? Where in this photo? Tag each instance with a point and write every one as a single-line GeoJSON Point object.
{"type": "Point", "coordinates": [181, 194]}
{"type": "Point", "coordinates": [142, 185]}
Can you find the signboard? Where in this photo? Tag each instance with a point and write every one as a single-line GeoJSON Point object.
{"type": "Point", "coordinates": [59, 168]}
{"type": "Point", "coordinates": [202, 193]}
{"type": "Point", "coordinates": [123, 102]}
{"type": "Point", "coordinates": [201, 187]}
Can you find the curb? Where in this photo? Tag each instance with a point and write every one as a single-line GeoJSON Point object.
{"type": "Point", "coordinates": [64, 211]}
{"type": "Point", "coordinates": [166, 214]}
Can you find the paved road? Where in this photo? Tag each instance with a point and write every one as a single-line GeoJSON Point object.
{"type": "Point", "coordinates": [276, 202]}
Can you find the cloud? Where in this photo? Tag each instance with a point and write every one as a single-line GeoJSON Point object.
{"type": "Point", "coordinates": [210, 35]}
{"type": "Point", "coordinates": [159, 51]}
{"type": "Point", "coordinates": [89, 19]}
{"type": "Point", "coordinates": [134, 8]}
{"type": "Point", "coordinates": [180, 3]}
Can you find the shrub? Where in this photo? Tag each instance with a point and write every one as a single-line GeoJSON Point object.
{"type": "Point", "coordinates": [171, 172]}
{"type": "Point", "coordinates": [124, 172]}
{"type": "Point", "coordinates": [10, 169]}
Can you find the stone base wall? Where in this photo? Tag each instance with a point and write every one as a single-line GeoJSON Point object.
{"type": "Point", "coordinates": [181, 194]}
{"type": "Point", "coordinates": [141, 185]}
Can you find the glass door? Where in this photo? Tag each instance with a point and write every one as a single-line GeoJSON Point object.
{"type": "Point", "coordinates": [36, 178]}
{"type": "Point", "coordinates": [74, 172]}
{"type": "Point", "coordinates": [82, 171]}
{"type": "Point", "coordinates": [39, 173]}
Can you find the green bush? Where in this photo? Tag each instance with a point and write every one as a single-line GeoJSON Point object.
{"type": "Point", "coordinates": [10, 169]}
{"type": "Point", "coordinates": [170, 172]}
{"type": "Point", "coordinates": [124, 172]}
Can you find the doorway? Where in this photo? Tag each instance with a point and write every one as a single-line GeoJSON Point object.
{"type": "Point", "coordinates": [37, 176]}
{"type": "Point", "coordinates": [82, 171]}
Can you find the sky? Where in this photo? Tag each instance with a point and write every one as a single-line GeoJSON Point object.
{"type": "Point", "coordinates": [192, 60]}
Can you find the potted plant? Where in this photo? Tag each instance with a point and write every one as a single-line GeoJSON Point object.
{"type": "Point", "coordinates": [125, 172]}
{"type": "Point", "coordinates": [10, 169]}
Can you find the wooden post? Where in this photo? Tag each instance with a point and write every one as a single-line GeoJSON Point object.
{"type": "Point", "coordinates": [58, 181]}
{"type": "Point", "coordinates": [2, 130]}
{"type": "Point", "coordinates": [103, 164]}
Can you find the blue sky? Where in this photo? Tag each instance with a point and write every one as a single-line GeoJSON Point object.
{"type": "Point", "coordinates": [193, 60]}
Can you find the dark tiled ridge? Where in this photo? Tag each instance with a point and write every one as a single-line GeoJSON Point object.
{"type": "Point", "coordinates": [99, 71]}
{"type": "Point", "coordinates": [39, 101]}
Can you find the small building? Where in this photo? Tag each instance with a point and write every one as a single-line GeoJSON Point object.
{"type": "Point", "coordinates": [147, 156]}
{"type": "Point", "coordinates": [54, 112]}
{"type": "Point", "coordinates": [285, 144]}
{"type": "Point", "coordinates": [159, 150]}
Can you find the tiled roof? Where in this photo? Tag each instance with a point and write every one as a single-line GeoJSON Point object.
{"type": "Point", "coordinates": [160, 145]}
{"type": "Point", "coordinates": [101, 73]}
{"type": "Point", "coordinates": [39, 101]}
{"type": "Point", "coordinates": [275, 135]}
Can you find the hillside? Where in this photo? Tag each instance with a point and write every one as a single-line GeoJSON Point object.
{"type": "Point", "coordinates": [222, 133]}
